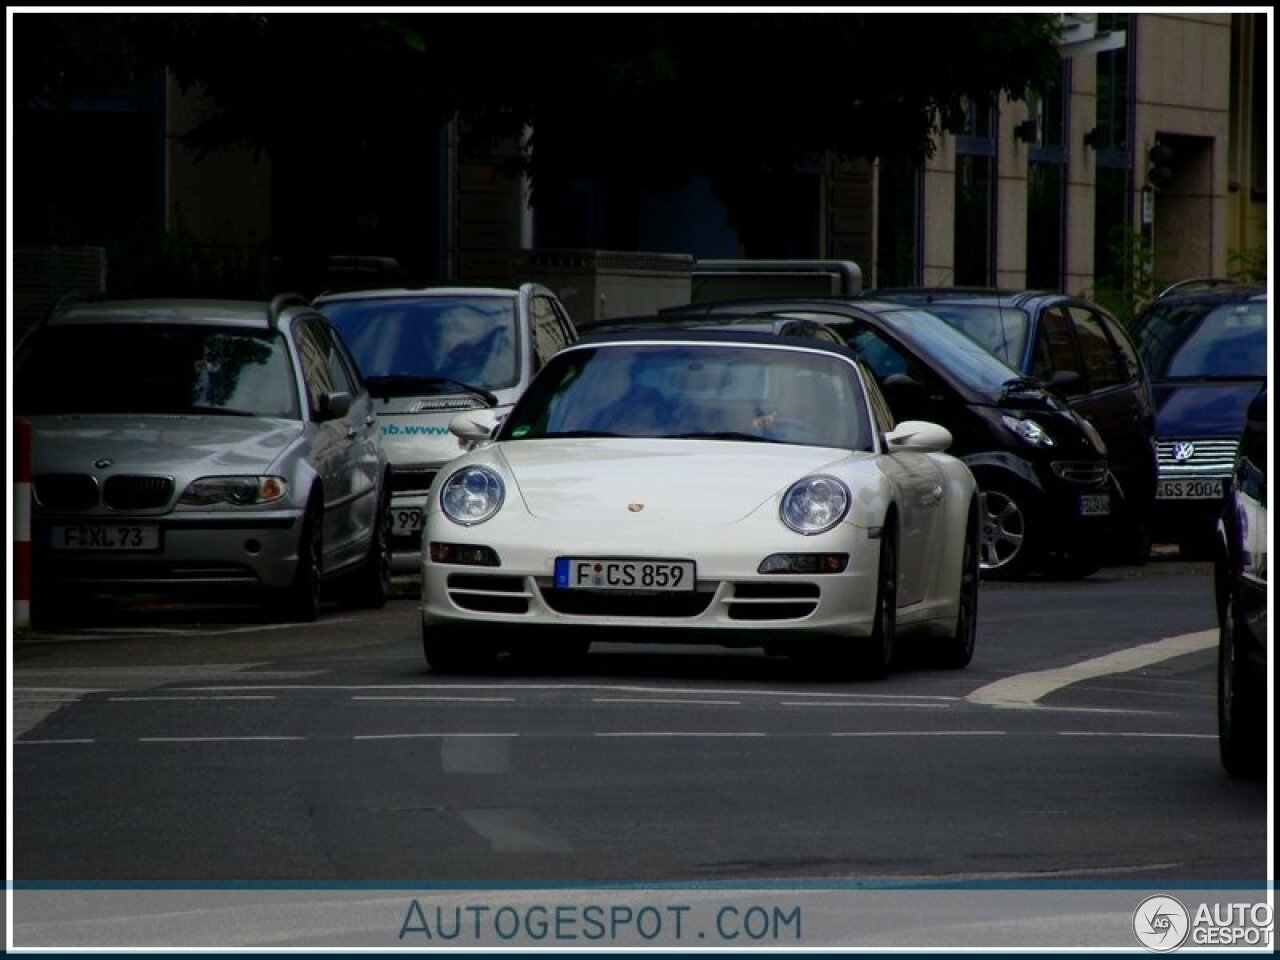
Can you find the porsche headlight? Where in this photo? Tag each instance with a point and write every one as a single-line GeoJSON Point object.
{"type": "Point", "coordinates": [240, 491]}
{"type": "Point", "coordinates": [472, 495]}
{"type": "Point", "coordinates": [815, 505]}
{"type": "Point", "coordinates": [1029, 431]}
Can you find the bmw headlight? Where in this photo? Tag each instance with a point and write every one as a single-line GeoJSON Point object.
{"type": "Point", "coordinates": [1028, 431]}
{"type": "Point", "coordinates": [240, 491]}
{"type": "Point", "coordinates": [472, 495]}
{"type": "Point", "coordinates": [815, 505]}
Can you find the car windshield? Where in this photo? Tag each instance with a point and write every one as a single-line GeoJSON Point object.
{"type": "Point", "coordinates": [154, 368]}
{"type": "Point", "coordinates": [695, 391]}
{"type": "Point", "coordinates": [1002, 330]}
{"type": "Point", "coordinates": [946, 346]}
{"type": "Point", "coordinates": [1201, 340]}
{"type": "Point", "coordinates": [446, 341]}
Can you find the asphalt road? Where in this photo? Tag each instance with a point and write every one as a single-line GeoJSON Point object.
{"type": "Point", "coordinates": [172, 745]}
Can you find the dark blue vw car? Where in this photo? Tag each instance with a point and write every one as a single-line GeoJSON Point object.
{"type": "Point", "coordinates": [1204, 345]}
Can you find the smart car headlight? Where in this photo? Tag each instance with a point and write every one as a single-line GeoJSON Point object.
{"type": "Point", "coordinates": [1028, 431]}
{"type": "Point", "coordinates": [240, 491]}
{"type": "Point", "coordinates": [472, 495]}
{"type": "Point", "coordinates": [815, 505]}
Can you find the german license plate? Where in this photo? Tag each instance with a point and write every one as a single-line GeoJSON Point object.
{"type": "Point", "coordinates": [1095, 504]}
{"type": "Point", "coordinates": [1209, 489]}
{"type": "Point", "coordinates": [593, 573]}
{"type": "Point", "coordinates": [87, 536]}
{"type": "Point", "coordinates": [406, 521]}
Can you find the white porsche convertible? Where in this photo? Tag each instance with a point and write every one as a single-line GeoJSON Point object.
{"type": "Point", "coordinates": [732, 488]}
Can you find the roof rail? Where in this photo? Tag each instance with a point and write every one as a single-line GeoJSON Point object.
{"type": "Point", "coordinates": [280, 302]}
{"type": "Point", "coordinates": [1197, 283]}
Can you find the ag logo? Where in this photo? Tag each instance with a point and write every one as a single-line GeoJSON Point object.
{"type": "Point", "coordinates": [1183, 450]}
{"type": "Point", "coordinates": [1161, 924]}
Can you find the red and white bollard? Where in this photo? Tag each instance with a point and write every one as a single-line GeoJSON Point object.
{"type": "Point", "coordinates": [22, 524]}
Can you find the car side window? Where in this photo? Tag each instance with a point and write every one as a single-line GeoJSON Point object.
{"type": "Point", "coordinates": [881, 413]}
{"type": "Point", "coordinates": [884, 357]}
{"type": "Point", "coordinates": [323, 368]}
{"type": "Point", "coordinates": [1130, 365]}
{"type": "Point", "coordinates": [1101, 365]}
{"type": "Point", "coordinates": [550, 333]}
{"type": "Point", "coordinates": [1054, 350]}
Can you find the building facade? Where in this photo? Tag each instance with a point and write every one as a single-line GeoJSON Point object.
{"type": "Point", "coordinates": [1147, 163]}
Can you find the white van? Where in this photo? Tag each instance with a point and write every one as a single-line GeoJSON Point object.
{"type": "Point", "coordinates": [428, 354]}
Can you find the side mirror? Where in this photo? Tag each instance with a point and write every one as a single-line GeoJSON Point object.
{"type": "Point", "coordinates": [331, 406]}
{"type": "Point", "coordinates": [918, 436]}
{"type": "Point", "coordinates": [900, 381]}
{"type": "Point", "coordinates": [1065, 382]}
{"type": "Point", "coordinates": [475, 426]}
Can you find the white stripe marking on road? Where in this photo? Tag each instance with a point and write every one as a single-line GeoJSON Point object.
{"type": "Point", "coordinates": [1024, 690]}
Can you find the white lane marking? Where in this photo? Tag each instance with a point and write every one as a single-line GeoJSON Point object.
{"type": "Point", "coordinates": [114, 632]}
{"type": "Point", "coordinates": [1025, 689]}
{"type": "Point", "coordinates": [48, 742]}
{"type": "Point", "coordinates": [1123, 733]}
{"type": "Point", "coordinates": [422, 736]}
{"type": "Point", "coordinates": [678, 733]}
{"type": "Point", "coordinates": [573, 687]}
{"type": "Point", "coordinates": [206, 698]}
{"type": "Point", "coordinates": [216, 740]}
{"type": "Point", "coordinates": [414, 699]}
{"type": "Point", "coordinates": [706, 703]}
{"type": "Point", "coordinates": [923, 733]}
{"type": "Point", "coordinates": [880, 705]}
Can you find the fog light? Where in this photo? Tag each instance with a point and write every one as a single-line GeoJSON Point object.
{"type": "Point", "coordinates": [464, 554]}
{"type": "Point", "coordinates": [805, 563]}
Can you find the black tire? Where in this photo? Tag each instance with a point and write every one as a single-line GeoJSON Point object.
{"type": "Point", "coordinates": [957, 650]}
{"type": "Point", "coordinates": [1006, 530]}
{"type": "Point", "coordinates": [450, 651]}
{"type": "Point", "coordinates": [300, 601]}
{"type": "Point", "coordinates": [371, 584]}
{"type": "Point", "coordinates": [1196, 546]}
{"type": "Point", "coordinates": [876, 652]}
{"type": "Point", "coordinates": [1241, 705]}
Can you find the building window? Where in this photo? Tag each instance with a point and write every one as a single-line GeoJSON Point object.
{"type": "Point", "coordinates": [1112, 243]}
{"type": "Point", "coordinates": [897, 236]}
{"type": "Point", "coordinates": [1046, 187]}
{"type": "Point", "coordinates": [975, 197]}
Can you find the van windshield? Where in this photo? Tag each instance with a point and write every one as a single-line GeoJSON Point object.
{"type": "Point", "coordinates": [469, 340]}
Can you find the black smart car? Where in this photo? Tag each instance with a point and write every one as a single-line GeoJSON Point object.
{"type": "Point", "coordinates": [1240, 582]}
{"type": "Point", "coordinates": [1048, 494]}
{"type": "Point", "coordinates": [1085, 355]}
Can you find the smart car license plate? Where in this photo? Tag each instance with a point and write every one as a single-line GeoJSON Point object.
{"type": "Point", "coordinates": [1189, 489]}
{"type": "Point", "coordinates": [593, 573]}
{"type": "Point", "coordinates": [1095, 504]}
{"type": "Point", "coordinates": [103, 537]}
{"type": "Point", "coordinates": [406, 520]}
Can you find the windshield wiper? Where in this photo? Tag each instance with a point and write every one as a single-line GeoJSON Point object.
{"type": "Point", "coordinates": [406, 382]}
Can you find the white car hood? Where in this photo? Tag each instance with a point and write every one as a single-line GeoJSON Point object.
{"type": "Point", "coordinates": [167, 444]}
{"type": "Point", "coordinates": [683, 481]}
